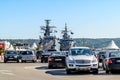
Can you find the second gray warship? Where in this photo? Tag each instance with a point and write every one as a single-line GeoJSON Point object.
{"type": "Point", "coordinates": [66, 42]}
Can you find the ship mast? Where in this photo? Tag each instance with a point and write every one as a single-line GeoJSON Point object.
{"type": "Point", "coordinates": [65, 42]}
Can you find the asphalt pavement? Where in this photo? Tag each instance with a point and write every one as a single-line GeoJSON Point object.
{"type": "Point", "coordinates": [40, 71]}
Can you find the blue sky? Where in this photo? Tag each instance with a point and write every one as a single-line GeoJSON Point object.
{"type": "Point", "coordinates": [21, 19]}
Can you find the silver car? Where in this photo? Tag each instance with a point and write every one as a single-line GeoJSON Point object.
{"type": "Point", "coordinates": [28, 56]}
{"type": "Point", "coordinates": [81, 59]}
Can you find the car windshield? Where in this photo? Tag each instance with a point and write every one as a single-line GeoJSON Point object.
{"type": "Point", "coordinates": [11, 52]}
{"type": "Point", "coordinates": [26, 52]}
{"type": "Point", "coordinates": [58, 54]}
{"type": "Point", "coordinates": [46, 53]}
{"type": "Point", "coordinates": [81, 52]}
{"type": "Point", "coordinates": [114, 54]}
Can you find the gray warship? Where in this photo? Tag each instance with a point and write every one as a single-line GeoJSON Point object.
{"type": "Point", "coordinates": [47, 42]}
{"type": "Point", "coordinates": [66, 42]}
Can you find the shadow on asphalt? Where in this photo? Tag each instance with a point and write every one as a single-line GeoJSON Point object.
{"type": "Point", "coordinates": [62, 72]}
{"type": "Point", "coordinates": [46, 68]}
{"type": "Point", "coordinates": [42, 68]}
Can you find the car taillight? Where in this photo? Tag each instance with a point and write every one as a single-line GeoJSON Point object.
{"type": "Point", "coordinates": [50, 59]}
{"type": "Point", "coordinates": [109, 61]}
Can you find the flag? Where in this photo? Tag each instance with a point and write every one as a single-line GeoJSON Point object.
{"type": "Point", "coordinates": [72, 33]}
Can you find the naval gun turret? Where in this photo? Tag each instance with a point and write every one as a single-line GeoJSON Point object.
{"type": "Point", "coordinates": [48, 40]}
{"type": "Point", "coordinates": [66, 42]}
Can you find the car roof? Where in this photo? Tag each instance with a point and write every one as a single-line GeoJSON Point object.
{"type": "Point", "coordinates": [113, 51]}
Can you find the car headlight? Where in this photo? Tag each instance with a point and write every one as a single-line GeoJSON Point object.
{"type": "Point", "coordinates": [94, 60]}
{"type": "Point", "coordinates": [15, 56]}
{"type": "Point", "coordinates": [71, 61]}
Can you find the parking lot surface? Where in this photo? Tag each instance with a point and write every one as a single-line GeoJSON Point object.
{"type": "Point", "coordinates": [39, 71]}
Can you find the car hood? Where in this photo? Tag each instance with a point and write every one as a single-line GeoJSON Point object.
{"type": "Point", "coordinates": [81, 57]}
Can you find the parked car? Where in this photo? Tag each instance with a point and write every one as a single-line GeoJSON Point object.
{"type": "Point", "coordinates": [111, 61]}
{"type": "Point", "coordinates": [46, 54]}
{"type": "Point", "coordinates": [81, 59]}
{"type": "Point", "coordinates": [11, 55]}
{"type": "Point", "coordinates": [39, 54]}
{"type": "Point", "coordinates": [57, 59]}
{"type": "Point", "coordinates": [27, 56]}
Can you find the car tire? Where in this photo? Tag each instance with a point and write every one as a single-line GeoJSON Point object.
{"type": "Point", "coordinates": [107, 71]}
{"type": "Point", "coordinates": [68, 71]}
{"type": "Point", "coordinates": [95, 71]}
{"type": "Point", "coordinates": [33, 61]}
{"type": "Point", "coordinates": [5, 61]}
{"type": "Point", "coordinates": [41, 61]}
{"type": "Point", "coordinates": [22, 61]}
{"type": "Point", "coordinates": [50, 67]}
{"type": "Point", "coordinates": [17, 61]}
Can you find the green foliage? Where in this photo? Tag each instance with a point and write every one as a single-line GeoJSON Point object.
{"type": "Point", "coordinates": [89, 42]}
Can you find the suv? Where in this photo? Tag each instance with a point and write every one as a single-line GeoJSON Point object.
{"type": "Point", "coordinates": [11, 56]}
{"type": "Point", "coordinates": [81, 59]}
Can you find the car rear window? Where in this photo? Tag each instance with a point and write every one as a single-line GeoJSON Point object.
{"type": "Point", "coordinates": [58, 54]}
{"type": "Point", "coordinates": [26, 53]}
{"type": "Point", "coordinates": [114, 54]}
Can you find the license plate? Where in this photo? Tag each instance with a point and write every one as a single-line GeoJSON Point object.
{"type": "Point", "coordinates": [46, 56]}
{"type": "Point", "coordinates": [82, 68]}
{"type": "Point", "coordinates": [10, 58]}
{"type": "Point", "coordinates": [58, 59]}
{"type": "Point", "coordinates": [118, 60]}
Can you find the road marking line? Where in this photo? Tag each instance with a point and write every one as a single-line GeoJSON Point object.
{"type": "Point", "coordinates": [6, 72]}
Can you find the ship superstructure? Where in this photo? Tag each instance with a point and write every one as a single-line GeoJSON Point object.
{"type": "Point", "coordinates": [48, 40]}
{"type": "Point", "coordinates": [66, 42]}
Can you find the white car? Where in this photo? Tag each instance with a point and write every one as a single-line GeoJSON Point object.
{"type": "Point", "coordinates": [81, 59]}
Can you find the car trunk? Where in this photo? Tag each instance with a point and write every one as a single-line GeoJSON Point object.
{"type": "Point", "coordinates": [59, 59]}
{"type": "Point", "coordinates": [115, 60]}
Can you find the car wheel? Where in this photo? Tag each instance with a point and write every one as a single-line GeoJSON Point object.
{"type": "Point", "coordinates": [22, 61]}
{"type": "Point", "coordinates": [41, 61]}
{"type": "Point", "coordinates": [5, 61]}
{"type": "Point", "coordinates": [33, 61]}
{"type": "Point", "coordinates": [107, 71]}
{"type": "Point", "coordinates": [50, 67]}
{"type": "Point", "coordinates": [68, 71]}
{"type": "Point", "coordinates": [17, 61]}
{"type": "Point", "coordinates": [95, 71]}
